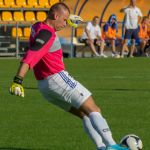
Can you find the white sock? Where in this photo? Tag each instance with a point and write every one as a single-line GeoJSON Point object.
{"type": "Point", "coordinates": [93, 134]}
{"type": "Point", "coordinates": [101, 126]}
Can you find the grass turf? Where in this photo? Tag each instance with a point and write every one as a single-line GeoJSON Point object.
{"type": "Point", "coordinates": [121, 87]}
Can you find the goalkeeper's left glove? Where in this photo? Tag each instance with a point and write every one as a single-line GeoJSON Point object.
{"type": "Point", "coordinates": [74, 20]}
{"type": "Point", "coordinates": [16, 88]}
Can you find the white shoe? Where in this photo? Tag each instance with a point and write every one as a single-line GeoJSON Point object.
{"type": "Point", "coordinates": [121, 56]}
{"type": "Point", "coordinates": [131, 56]}
{"type": "Point", "coordinates": [96, 55]}
{"type": "Point", "coordinates": [115, 55]}
{"type": "Point", "coordinates": [103, 56]}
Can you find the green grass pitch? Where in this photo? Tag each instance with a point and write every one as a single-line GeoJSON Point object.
{"type": "Point", "coordinates": [121, 87]}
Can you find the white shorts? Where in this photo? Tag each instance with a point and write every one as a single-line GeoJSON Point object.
{"type": "Point", "coordinates": [64, 91]}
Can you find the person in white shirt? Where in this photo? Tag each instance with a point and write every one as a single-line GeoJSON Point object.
{"type": "Point", "coordinates": [92, 36]}
{"type": "Point", "coordinates": [133, 16]}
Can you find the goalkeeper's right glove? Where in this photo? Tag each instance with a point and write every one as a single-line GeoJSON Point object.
{"type": "Point", "coordinates": [16, 88]}
{"type": "Point", "coordinates": [74, 20]}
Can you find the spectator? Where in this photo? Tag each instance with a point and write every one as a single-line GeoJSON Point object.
{"type": "Point", "coordinates": [149, 24]}
{"type": "Point", "coordinates": [110, 30]}
{"type": "Point", "coordinates": [92, 37]}
{"type": "Point", "coordinates": [148, 43]}
{"type": "Point", "coordinates": [143, 34]}
{"type": "Point", "coordinates": [132, 18]}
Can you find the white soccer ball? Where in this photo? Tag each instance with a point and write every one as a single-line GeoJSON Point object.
{"type": "Point", "coordinates": [133, 142]}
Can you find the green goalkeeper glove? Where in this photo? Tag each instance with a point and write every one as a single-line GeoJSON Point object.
{"type": "Point", "coordinates": [74, 20]}
{"type": "Point", "coordinates": [16, 87]}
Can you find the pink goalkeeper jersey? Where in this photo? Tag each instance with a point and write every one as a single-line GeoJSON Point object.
{"type": "Point", "coordinates": [45, 54]}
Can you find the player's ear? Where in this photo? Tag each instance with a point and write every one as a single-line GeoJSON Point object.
{"type": "Point", "coordinates": [55, 17]}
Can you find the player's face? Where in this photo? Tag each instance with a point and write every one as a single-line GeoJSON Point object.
{"type": "Point", "coordinates": [146, 21]}
{"type": "Point", "coordinates": [113, 20]}
{"type": "Point", "coordinates": [61, 20]}
{"type": "Point", "coordinates": [133, 2]}
{"type": "Point", "coordinates": [95, 21]}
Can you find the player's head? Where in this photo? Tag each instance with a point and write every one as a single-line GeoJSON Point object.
{"type": "Point", "coordinates": [149, 14]}
{"type": "Point", "coordinates": [58, 15]}
{"type": "Point", "coordinates": [112, 19]}
{"type": "Point", "coordinates": [95, 20]}
{"type": "Point", "coordinates": [145, 20]}
{"type": "Point", "coordinates": [133, 3]}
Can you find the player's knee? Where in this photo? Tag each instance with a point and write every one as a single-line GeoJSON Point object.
{"type": "Point", "coordinates": [126, 43]}
{"type": "Point", "coordinates": [90, 109]}
{"type": "Point", "coordinates": [89, 106]}
{"type": "Point", "coordinates": [132, 42]}
{"type": "Point", "coordinates": [98, 109]}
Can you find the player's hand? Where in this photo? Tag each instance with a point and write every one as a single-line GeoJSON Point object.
{"type": "Point", "coordinates": [16, 88]}
{"type": "Point", "coordinates": [74, 20]}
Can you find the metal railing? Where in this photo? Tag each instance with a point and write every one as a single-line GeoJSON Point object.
{"type": "Point", "coordinates": [12, 45]}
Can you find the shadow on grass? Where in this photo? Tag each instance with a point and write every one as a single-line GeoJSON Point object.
{"type": "Point", "coordinates": [14, 148]}
{"type": "Point", "coordinates": [31, 88]}
{"type": "Point", "coordinates": [145, 90]}
{"type": "Point", "coordinates": [126, 90]}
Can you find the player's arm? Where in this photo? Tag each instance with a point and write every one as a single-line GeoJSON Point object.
{"type": "Point", "coordinates": [100, 35]}
{"type": "Point", "coordinates": [16, 87]}
{"type": "Point", "coordinates": [37, 50]}
{"type": "Point", "coordinates": [140, 17]}
{"type": "Point", "coordinates": [88, 33]}
{"type": "Point", "coordinates": [105, 30]}
{"type": "Point", "coordinates": [23, 69]}
{"type": "Point", "coordinates": [122, 10]}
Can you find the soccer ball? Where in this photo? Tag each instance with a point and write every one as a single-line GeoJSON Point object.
{"type": "Point", "coordinates": [133, 142]}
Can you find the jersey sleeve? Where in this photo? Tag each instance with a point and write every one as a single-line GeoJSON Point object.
{"type": "Point", "coordinates": [114, 26]}
{"type": "Point", "coordinates": [99, 31]}
{"type": "Point", "coordinates": [39, 47]}
{"type": "Point", "coordinates": [105, 28]}
{"type": "Point", "coordinates": [88, 26]}
{"type": "Point", "coordinates": [140, 13]}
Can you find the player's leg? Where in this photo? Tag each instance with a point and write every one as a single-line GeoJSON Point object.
{"type": "Point", "coordinates": [146, 47]}
{"type": "Point", "coordinates": [99, 123]}
{"type": "Point", "coordinates": [63, 91]}
{"type": "Point", "coordinates": [142, 46]}
{"type": "Point", "coordinates": [87, 125]}
{"type": "Point", "coordinates": [132, 47]}
{"type": "Point", "coordinates": [101, 44]}
{"type": "Point", "coordinates": [113, 45]}
{"type": "Point", "coordinates": [127, 36]}
{"type": "Point", "coordinates": [92, 47]}
{"type": "Point", "coordinates": [134, 36]}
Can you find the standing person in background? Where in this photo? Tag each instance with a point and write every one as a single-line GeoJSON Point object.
{"type": "Point", "coordinates": [132, 19]}
{"type": "Point", "coordinates": [92, 37]}
{"type": "Point", "coordinates": [45, 57]}
{"type": "Point", "coordinates": [109, 34]}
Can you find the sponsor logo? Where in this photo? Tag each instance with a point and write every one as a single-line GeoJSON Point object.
{"type": "Point", "coordinates": [106, 130]}
{"type": "Point", "coordinates": [40, 41]}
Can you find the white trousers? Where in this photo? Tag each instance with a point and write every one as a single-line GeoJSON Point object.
{"type": "Point", "coordinates": [64, 91]}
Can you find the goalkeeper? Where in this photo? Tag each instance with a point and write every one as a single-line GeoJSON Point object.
{"type": "Point", "coordinates": [56, 85]}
